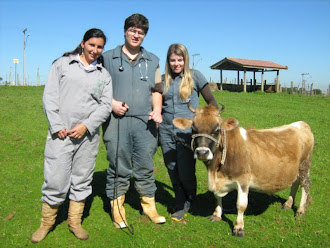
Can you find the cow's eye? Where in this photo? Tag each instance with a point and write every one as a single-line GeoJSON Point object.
{"type": "Point", "coordinates": [216, 132]}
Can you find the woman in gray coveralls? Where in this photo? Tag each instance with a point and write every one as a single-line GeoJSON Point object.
{"type": "Point", "coordinates": [77, 100]}
{"type": "Point", "coordinates": [182, 85]}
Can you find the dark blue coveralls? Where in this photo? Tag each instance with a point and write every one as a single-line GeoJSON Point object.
{"type": "Point", "coordinates": [131, 140]}
{"type": "Point", "coordinates": [178, 158]}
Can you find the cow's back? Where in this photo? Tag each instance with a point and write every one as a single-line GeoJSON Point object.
{"type": "Point", "coordinates": [276, 154]}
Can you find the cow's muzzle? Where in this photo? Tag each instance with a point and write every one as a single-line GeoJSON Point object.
{"type": "Point", "coordinates": [203, 153]}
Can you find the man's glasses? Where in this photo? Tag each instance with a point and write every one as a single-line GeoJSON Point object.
{"type": "Point", "coordinates": [133, 32]}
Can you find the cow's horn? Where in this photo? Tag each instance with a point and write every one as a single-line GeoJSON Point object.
{"type": "Point", "coordinates": [191, 108]}
{"type": "Point", "coordinates": [222, 109]}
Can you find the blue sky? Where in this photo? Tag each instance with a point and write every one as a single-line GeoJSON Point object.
{"type": "Point", "coordinates": [295, 33]}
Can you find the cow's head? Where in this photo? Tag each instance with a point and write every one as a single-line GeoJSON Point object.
{"type": "Point", "coordinates": [207, 130]}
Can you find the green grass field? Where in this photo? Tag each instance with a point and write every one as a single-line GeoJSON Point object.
{"type": "Point", "coordinates": [23, 128]}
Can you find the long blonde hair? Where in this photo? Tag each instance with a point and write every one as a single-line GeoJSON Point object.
{"type": "Point", "coordinates": [187, 85]}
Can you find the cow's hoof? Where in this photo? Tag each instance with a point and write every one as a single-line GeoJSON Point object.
{"type": "Point", "coordinates": [238, 232]}
{"type": "Point", "coordinates": [300, 214]}
{"type": "Point", "coordinates": [286, 207]}
{"type": "Point", "coordinates": [214, 218]}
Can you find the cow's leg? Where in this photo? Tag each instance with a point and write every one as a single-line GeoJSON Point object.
{"type": "Point", "coordinates": [242, 201]}
{"type": "Point", "coordinates": [289, 203]}
{"type": "Point", "coordinates": [305, 185]}
{"type": "Point", "coordinates": [218, 210]}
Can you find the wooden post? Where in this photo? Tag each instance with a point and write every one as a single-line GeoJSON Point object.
{"type": "Point", "coordinates": [219, 85]}
{"type": "Point", "coordinates": [254, 80]}
{"type": "Point", "coordinates": [311, 92]}
{"type": "Point", "coordinates": [262, 80]}
{"type": "Point", "coordinates": [292, 87]}
{"type": "Point", "coordinates": [221, 76]}
{"type": "Point", "coordinates": [277, 86]}
{"type": "Point", "coordinates": [237, 77]}
{"type": "Point", "coordinates": [244, 80]}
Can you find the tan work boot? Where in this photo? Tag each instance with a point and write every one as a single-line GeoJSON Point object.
{"type": "Point", "coordinates": [149, 209]}
{"type": "Point", "coordinates": [118, 212]}
{"type": "Point", "coordinates": [48, 220]}
{"type": "Point", "coordinates": [76, 210]}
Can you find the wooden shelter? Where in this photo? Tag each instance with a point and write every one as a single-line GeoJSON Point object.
{"type": "Point", "coordinates": [245, 65]}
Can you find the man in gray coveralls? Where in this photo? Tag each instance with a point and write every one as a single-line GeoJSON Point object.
{"type": "Point", "coordinates": [130, 135]}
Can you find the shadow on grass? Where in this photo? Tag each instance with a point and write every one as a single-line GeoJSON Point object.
{"type": "Point", "coordinates": [204, 205]}
{"type": "Point", "coordinates": [258, 203]}
{"type": "Point", "coordinates": [98, 190]}
{"type": "Point", "coordinates": [132, 197]}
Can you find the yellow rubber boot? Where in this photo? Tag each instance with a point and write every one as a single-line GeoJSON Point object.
{"type": "Point", "coordinates": [118, 212]}
{"type": "Point", "coordinates": [76, 210]}
{"type": "Point", "coordinates": [49, 214]}
{"type": "Point", "coordinates": [149, 209]}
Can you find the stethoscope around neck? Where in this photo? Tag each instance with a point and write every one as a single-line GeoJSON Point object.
{"type": "Point", "coordinates": [145, 77]}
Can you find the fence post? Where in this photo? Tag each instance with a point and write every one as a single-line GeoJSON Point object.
{"type": "Point", "coordinates": [262, 81]}
{"type": "Point", "coordinates": [311, 92]}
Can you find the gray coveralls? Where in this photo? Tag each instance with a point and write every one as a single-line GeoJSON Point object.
{"type": "Point", "coordinates": [73, 95]}
{"type": "Point", "coordinates": [131, 140]}
{"type": "Point", "coordinates": [178, 158]}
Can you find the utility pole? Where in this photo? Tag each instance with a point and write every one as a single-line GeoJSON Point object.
{"type": "Point", "coordinates": [38, 78]}
{"type": "Point", "coordinates": [9, 75]}
{"type": "Point", "coordinates": [195, 54]}
{"type": "Point", "coordinates": [15, 62]}
{"type": "Point", "coordinates": [24, 45]}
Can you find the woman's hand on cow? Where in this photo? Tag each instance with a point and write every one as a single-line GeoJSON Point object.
{"type": "Point", "coordinates": [78, 131]}
{"type": "Point", "coordinates": [119, 108]}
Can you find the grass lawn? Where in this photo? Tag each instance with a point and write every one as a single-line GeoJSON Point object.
{"type": "Point", "coordinates": [23, 129]}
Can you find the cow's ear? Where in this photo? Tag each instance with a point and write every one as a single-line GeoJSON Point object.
{"type": "Point", "coordinates": [182, 123]}
{"type": "Point", "coordinates": [229, 124]}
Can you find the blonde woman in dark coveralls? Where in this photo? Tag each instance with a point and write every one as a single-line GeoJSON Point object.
{"type": "Point", "coordinates": [182, 85]}
{"type": "Point", "coordinates": [77, 100]}
{"type": "Point", "coordinates": [130, 136]}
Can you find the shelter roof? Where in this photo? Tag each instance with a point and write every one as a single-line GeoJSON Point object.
{"type": "Point", "coordinates": [237, 64]}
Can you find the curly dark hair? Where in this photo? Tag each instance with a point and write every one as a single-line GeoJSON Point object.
{"type": "Point", "coordinates": [138, 21]}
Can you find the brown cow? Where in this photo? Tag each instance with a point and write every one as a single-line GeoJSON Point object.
{"type": "Point", "coordinates": [266, 160]}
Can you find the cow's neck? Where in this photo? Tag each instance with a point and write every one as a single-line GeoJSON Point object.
{"type": "Point", "coordinates": [231, 142]}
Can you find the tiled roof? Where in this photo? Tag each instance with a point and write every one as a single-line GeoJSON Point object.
{"type": "Point", "coordinates": [229, 63]}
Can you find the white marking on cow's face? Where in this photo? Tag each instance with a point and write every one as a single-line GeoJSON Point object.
{"type": "Point", "coordinates": [296, 124]}
{"type": "Point", "coordinates": [243, 133]}
{"type": "Point", "coordinates": [203, 153]}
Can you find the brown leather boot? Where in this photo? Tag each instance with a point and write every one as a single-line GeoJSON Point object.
{"type": "Point", "coordinates": [149, 209]}
{"type": "Point", "coordinates": [48, 220]}
{"type": "Point", "coordinates": [76, 210]}
{"type": "Point", "coordinates": [118, 212]}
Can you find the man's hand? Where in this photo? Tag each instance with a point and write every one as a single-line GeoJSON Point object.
{"type": "Point", "coordinates": [156, 116]}
{"type": "Point", "coordinates": [119, 108]}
